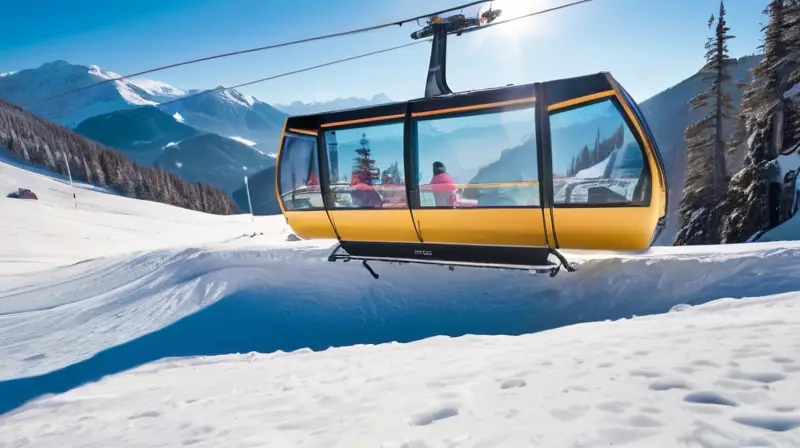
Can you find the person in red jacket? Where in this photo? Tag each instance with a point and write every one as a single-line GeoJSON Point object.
{"type": "Point", "coordinates": [444, 189]}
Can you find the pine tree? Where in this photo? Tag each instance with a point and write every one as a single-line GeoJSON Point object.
{"type": "Point", "coordinates": [791, 41]}
{"type": "Point", "coordinates": [365, 170]}
{"type": "Point", "coordinates": [763, 92]}
{"type": "Point", "coordinates": [703, 203]}
{"type": "Point", "coordinates": [753, 198]}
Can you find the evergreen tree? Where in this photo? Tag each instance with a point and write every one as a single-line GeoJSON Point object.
{"type": "Point", "coordinates": [365, 170]}
{"type": "Point", "coordinates": [771, 122]}
{"type": "Point", "coordinates": [703, 203]}
{"type": "Point", "coordinates": [791, 42]}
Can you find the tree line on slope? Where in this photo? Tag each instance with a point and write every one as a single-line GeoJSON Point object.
{"type": "Point", "coordinates": [717, 207]}
{"type": "Point", "coordinates": [45, 144]}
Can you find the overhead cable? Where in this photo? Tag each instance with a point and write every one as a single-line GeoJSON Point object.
{"type": "Point", "coordinates": [293, 72]}
{"type": "Point", "coordinates": [363, 55]}
{"type": "Point", "coordinates": [263, 48]}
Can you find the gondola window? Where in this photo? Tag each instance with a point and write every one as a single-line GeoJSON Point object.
{"type": "Point", "coordinates": [299, 173]}
{"type": "Point", "coordinates": [366, 167]}
{"type": "Point", "coordinates": [484, 159]}
{"type": "Point", "coordinates": [596, 158]}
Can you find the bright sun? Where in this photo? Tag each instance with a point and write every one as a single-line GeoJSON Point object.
{"type": "Point", "coordinates": [510, 9]}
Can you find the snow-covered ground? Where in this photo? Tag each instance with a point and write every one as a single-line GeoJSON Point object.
{"type": "Point", "coordinates": [87, 295]}
{"type": "Point", "coordinates": [50, 232]}
{"type": "Point", "coordinates": [724, 374]}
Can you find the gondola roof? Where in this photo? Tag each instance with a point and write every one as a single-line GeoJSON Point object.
{"type": "Point", "coordinates": [557, 91]}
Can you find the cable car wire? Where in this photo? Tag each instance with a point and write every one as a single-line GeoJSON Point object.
{"type": "Point", "coordinates": [263, 48]}
{"type": "Point", "coordinates": [535, 13]}
{"type": "Point", "coordinates": [293, 72]}
{"type": "Point", "coordinates": [363, 55]}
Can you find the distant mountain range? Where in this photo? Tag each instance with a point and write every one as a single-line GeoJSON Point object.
{"type": "Point", "coordinates": [215, 138]}
{"type": "Point", "coordinates": [25, 86]}
{"type": "Point", "coordinates": [301, 108]}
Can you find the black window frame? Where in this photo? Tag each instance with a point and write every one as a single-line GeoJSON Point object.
{"type": "Point", "coordinates": [648, 185]}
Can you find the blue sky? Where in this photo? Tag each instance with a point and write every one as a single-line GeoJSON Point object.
{"type": "Point", "coordinates": [648, 45]}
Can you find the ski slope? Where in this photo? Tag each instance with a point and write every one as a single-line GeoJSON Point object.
{"type": "Point", "coordinates": [131, 323]}
{"type": "Point", "coordinates": [50, 232]}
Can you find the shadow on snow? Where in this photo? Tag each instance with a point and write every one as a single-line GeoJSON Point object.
{"type": "Point", "coordinates": [411, 302]}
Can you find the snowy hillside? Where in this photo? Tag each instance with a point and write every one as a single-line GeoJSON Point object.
{"type": "Point", "coordinates": [301, 108]}
{"type": "Point", "coordinates": [109, 294]}
{"type": "Point", "coordinates": [26, 86]}
{"type": "Point", "coordinates": [141, 133]}
{"type": "Point", "coordinates": [152, 137]}
{"type": "Point", "coordinates": [213, 160]}
{"type": "Point", "coordinates": [50, 232]}
{"type": "Point", "coordinates": [232, 113]}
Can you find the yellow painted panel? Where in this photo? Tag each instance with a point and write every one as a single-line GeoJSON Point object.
{"type": "Point", "coordinates": [609, 228]}
{"type": "Point", "coordinates": [375, 225]}
{"type": "Point", "coordinates": [495, 226]}
{"type": "Point", "coordinates": [310, 224]}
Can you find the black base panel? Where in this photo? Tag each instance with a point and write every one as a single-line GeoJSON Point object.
{"type": "Point", "coordinates": [525, 256]}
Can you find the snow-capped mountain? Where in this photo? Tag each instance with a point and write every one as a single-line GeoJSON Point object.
{"type": "Point", "coordinates": [151, 136]}
{"type": "Point", "coordinates": [301, 108]}
{"type": "Point", "coordinates": [228, 113]}
{"type": "Point", "coordinates": [26, 86]}
{"type": "Point", "coordinates": [231, 113]}
{"type": "Point", "coordinates": [213, 160]}
{"type": "Point", "coordinates": [141, 133]}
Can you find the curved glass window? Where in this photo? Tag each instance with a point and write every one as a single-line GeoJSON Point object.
{"type": "Point", "coordinates": [298, 175]}
{"type": "Point", "coordinates": [596, 158]}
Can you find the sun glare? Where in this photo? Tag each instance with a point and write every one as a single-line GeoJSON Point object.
{"type": "Point", "coordinates": [510, 9]}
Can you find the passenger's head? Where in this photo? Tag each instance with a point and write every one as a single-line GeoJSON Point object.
{"type": "Point", "coordinates": [438, 168]}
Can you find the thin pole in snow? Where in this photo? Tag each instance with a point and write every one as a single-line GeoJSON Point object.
{"type": "Point", "coordinates": [249, 204]}
{"type": "Point", "coordinates": [72, 186]}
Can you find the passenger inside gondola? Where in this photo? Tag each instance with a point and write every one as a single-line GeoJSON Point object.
{"type": "Point", "coordinates": [443, 187]}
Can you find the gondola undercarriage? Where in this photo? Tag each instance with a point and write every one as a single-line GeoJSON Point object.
{"type": "Point", "coordinates": [532, 259]}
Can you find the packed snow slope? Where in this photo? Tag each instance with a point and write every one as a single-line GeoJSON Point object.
{"type": "Point", "coordinates": [119, 283]}
{"type": "Point", "coordinates": [722, 374]}
{"type": "Point", "coordinates": [50, 232]}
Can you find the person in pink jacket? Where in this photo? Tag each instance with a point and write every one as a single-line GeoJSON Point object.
{"type": "Point", "coordinates": [444, 189]}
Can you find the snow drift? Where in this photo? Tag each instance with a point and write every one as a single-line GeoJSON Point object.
{"type": "Point", "coordinates": [719, 375]}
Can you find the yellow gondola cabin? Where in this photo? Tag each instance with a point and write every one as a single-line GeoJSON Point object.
{"type": "Point", "coordinates": [497, 177]}
{"type": "Point", "coordinates": [501, 177]}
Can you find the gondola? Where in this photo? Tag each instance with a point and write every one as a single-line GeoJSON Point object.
{"type": "Point", "coordinates": [497, 178]}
